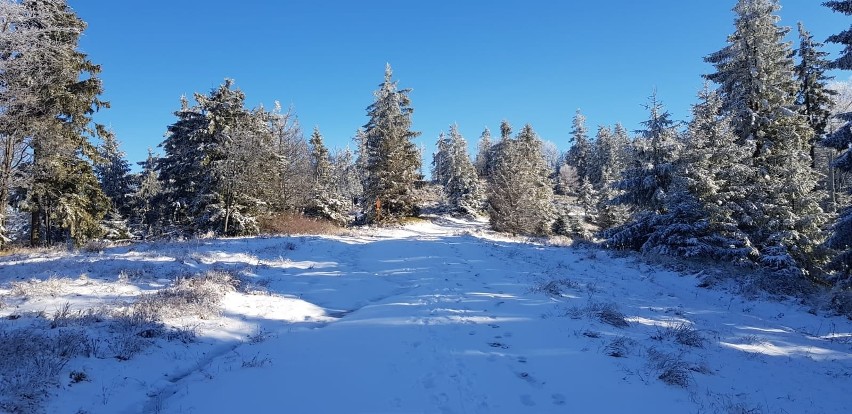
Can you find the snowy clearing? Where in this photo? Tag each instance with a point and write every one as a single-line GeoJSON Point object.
{"type": "Point", "coordinates": [436, 317]}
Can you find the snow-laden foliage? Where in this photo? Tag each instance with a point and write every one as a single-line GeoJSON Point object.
{"type": "Point", "coordinates": [520, 193]}
{"type": "Point", "coordinates": [453, 170]}
{"type": "Point", "coordinates": [484, 151]}
{"type": "Point", "coordinates": [814, 98]}
{"type": "Point", "coordinates": [50, 91]}
{"type": "Point", "coordinates": [755, 74]}
{"type": "Point", "coordinates": [392, 162]}
{"type": "Point", "coordinates": [327, 201]}
{"type": "Point", "coordinates": [215, 170]}
{"type": "Point", "coordinates": [843, 38]}
{"type": "Point", "coordinates": [645, 184]}
{"type": "Point", "coordinates": [113, 172]}
{"type": "Point", "coordinates": [579, 155]}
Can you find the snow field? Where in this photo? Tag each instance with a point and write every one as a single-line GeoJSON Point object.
{"type": "Point", "coordinates": [439, 316]}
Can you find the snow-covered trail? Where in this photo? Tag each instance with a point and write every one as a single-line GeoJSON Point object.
{"type": "Point", "coordinates": [437, 322]}
{"type": "Point", "coordinates": [442, 317]}
{"type": "Point", "coordinates": [456, 330]}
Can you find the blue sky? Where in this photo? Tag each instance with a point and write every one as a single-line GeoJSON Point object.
{"type": "Point", "coordinates": [470, 62]}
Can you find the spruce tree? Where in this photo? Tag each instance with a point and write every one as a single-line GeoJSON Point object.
{"type": "Point", "coordinates": [327, 202]}
{"type": "Point", "coordinates": [647, 186]}
{"type": "Point", "coordinates": [483, 154]}
{"type": "Point", "coordinates": [843, 38]}
{"type": "Point", "coordinates": [814, 98]}
{"type": "Point", "coordinates": [520, 195]}
{"type": "Point", "coordinates": [646, 183]}
{"type": "Point", "coordinates": [579, 156]}
{"type": "Point", "coordinates": [392, 158]}
{"type": "Point", "coordinates": [462, 187]}
{"type": "Point", "coordinates": [146, 212]}
{"type": "Point", "coordinates": [709, 192]}
{"type": "Point", "coordinates": [840, 238]}
{"type": "Point", "coordinates": [755, 74]}
{"type": "Point", "coordinates": [609, 163]}
{"type": "Point", "coordinates": [441, 162]}
{"type": "Point", "coordinates": [63, 194]}
{"type": "Point", "coordinates": [216, 157]}
{"type": "Point", "coordinates": [113, 172]}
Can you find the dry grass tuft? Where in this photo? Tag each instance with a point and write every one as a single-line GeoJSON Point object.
{"type": "Point", "coordinates": [288, 224]}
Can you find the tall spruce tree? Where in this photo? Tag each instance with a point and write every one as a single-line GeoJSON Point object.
{"type": "Point", "coordinates": [708, 195]}
{"type": "Point", "coordinates": [392, 158]}
{"type": "Point", "coordinates": [214, 157]}
{"type": "Point", "coordinates": [441, 162]}
{"type": "Point", "coordinates": [113, 172]}
{"type": "Point", "coordinates": [579, 155]}
{"type": "Point", "coordinates": [755, 74]}
{"type": "Point", "coordinates": [814, 97]}
{"type": "Point", "coordinates": [146, 212]}
{"type": "Point", "coordinates": [462, 188]}
{"type": "Point", "coordinates": [327, 202]}
{"type": "Point", "coordinates": [520, 195]}
{"type": "Point", "coordinates": [483, 154]}
{"type": "Point", "coordinates": [610, 161]}
{"type": "Point", "coordinates": [840, 238]}
{"type": "Point", "coordinates": [63, 194]}
{"type": "Point", "coordinates": [648, 184]}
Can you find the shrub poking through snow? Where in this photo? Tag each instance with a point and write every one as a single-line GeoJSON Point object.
{"type": "Point", "coordinates": [620, 347]}
{"type": "Point", "coordinates": [555, 287]}
{"type": "Point", "coordinates": [682, 333]}
{"type": "Point", "coordinates": [195, 295]}
{"type": "Point", "coordinates": [671, 369]}
{"type": "Point", "coordinates": [31, 361]}
{"type": "Point", "coordinates": [609, 314]}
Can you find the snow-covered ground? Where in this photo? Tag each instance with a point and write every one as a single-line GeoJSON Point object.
{"type": "Point", "coordinates": [436, 317]}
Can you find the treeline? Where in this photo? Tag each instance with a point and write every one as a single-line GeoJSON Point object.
{"type": "Point", "coordinates": [759, 174]}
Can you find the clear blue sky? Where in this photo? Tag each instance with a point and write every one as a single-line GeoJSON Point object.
{"type": "Point", "coordinates": [468, 62]}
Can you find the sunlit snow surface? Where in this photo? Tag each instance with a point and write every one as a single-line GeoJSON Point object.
{"type": "Point", "coordinates": [436, 317]}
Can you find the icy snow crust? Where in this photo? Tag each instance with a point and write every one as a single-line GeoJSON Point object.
{"type": "Point", "coordinates": [439, 316]}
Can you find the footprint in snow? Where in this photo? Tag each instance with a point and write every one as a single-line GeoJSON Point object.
{"type": "Point", "coordinates": [498, 345]}
{"type": "Point", "coordinates": [527, 400]}
{"type": "Point", "coordinates": [529, 379]}
{"type": "Point", "coordinates": [558, 399]}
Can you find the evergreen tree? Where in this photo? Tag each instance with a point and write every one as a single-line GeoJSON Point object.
{"type": "Point", "coordinates": [843, 38]}
{"type": "Point", "coordinates": [840, 238]}
{"type": "Point", "coordinates": [579, 156]}
{"type": "Point", "coordinates": [326, 202]}
{"type": "Point", "coordinates": [441, 162]}
{"type": "Point", "coordinates": [814, 97]}
{"type": "Point", "coordinates": [215, 156]}
{"type": "Point", "coordinates": [347, 177]}
{"type": "Point", "coordinates": [146, 211]}
{"type": "Point", "coordinates": [462, 187]}
{"type": "Point", "coordinates": [63, 194]}
{"type": "Point", "coordinates": [647, 185]}
{"type": "Point", "coordinates": [113, 173]}
{"type": "Point", "coordinates": [609, 162]}
{"type": "Point", "coordinates": [393, 160]}
{"type": "Point", "coordinates": [755, 74]}
{"type": "Point", "coordinates": [709, 192]}
{"type": "Point", "coordinates": [520, 196]}
{"type": "Point", "coordinates": [483, 154]}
